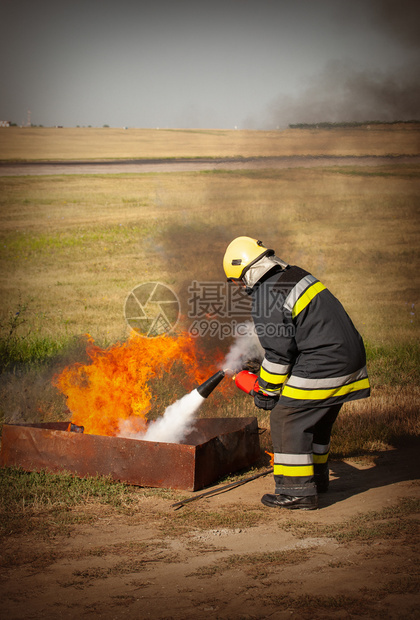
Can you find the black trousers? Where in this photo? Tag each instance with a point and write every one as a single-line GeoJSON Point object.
{"type": "Point", "coordinates": [301, 442]}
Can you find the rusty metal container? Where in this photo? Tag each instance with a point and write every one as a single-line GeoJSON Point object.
{"type": "Point", "coordinates": [215, 448]}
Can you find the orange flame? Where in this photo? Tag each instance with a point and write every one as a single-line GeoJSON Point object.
{"type": "Point", "coordinates": [271, 455]}
{"type": "Point", "coordinates": [117, 384]}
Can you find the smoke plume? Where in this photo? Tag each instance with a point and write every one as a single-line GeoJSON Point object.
{"type": "Point", "coordinates": [343, 93]}
{"type": "Point", "coordinates": [246, 347]}
{"type": "Point", "coordinates": [399, 20]}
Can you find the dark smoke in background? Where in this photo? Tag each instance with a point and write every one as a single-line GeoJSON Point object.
{"type": "Point", "coordinates": [398, 19]}
{"type": "Point", "coordinates": [345, 92]}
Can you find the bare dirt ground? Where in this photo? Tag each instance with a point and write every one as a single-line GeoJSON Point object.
{"type": "Point", "coordinates": [229, 557]}
{"type": "Point", "coordinates": [194, 165]}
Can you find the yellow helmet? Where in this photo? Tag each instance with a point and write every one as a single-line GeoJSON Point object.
{"type": "Point", "coordinates": [240, 254]}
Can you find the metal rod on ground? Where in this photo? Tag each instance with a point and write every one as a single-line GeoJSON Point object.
{"type": "Point", "coordinates": [231, 485]}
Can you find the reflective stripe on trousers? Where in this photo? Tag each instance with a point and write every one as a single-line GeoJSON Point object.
{"type": "Point", "coordinates": [294, 465]}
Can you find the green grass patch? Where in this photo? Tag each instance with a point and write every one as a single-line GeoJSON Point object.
{"type": "Point", "coordinates": [23, 347]}
{"type": "Point", "coordinates": [88, 240]}
{"type": "Point", "coordinates": [44, 502]}
{"type": "Point", "coordinates": [394, 364]}
{"type": "Point", "coordinates": [18, 352]}
{"type": "Point", "coordinates": [404, 171]}
{"type": "Point", "coordinates": [20, 490]}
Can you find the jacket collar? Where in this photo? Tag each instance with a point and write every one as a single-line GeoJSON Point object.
{"type": "Point", "coordinates": [260, 268]}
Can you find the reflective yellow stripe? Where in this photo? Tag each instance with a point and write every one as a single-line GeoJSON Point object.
{"type": "Point", "coordinates": [271, 378]}
{"type": "Point", "coordinates": [320, 458]}
{"type": "Point", "coordinates": [290, 470]}
{"type": "Point", "coordinates": [307, 296]}
{"type": "Point", "coordinates": [321, 394]}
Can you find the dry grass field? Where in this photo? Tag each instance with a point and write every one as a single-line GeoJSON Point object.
{"type": "Point", "coordinates": [74, 246]}
{"type": "Point", "coordinates": [107, 143]}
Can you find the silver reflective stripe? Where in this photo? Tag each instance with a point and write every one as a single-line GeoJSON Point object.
{"type": "Point", "coordinates": [292, 459]}
{"type": "Point", "coordinates": [317, 448]}
{"type": "Point", "coordinates": [331, 382]}
{"type": "Point", "coordinates": [278, 369]}
{"type": "Point", "coordinates": [297, 291]}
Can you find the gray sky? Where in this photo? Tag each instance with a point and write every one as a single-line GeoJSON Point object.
{"type": "Point", "coordinates": [256, 64]}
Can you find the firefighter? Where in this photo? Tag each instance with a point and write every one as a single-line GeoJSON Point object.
{"type": "Point", "coordinates": [314, 361]}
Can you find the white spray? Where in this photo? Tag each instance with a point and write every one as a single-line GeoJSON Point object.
{"type": "Point", "coordinates": [173, 425]}
{"type": "Point", "coordinates": [177, 420]}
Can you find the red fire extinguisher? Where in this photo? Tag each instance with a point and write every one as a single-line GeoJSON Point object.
{"type": "Point", "coordinates": [247, 382]}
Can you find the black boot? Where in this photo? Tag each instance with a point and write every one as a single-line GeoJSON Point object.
{"type": "Point", "coordinates": [308, 502]}
{"type": "Point", "coordinates": [322, 477]}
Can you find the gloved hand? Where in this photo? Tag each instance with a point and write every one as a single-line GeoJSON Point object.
{"type": "Point", "coordinates": [263, 401]}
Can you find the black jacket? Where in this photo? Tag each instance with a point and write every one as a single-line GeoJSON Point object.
{"type": "Point", "coordinates": [314, 356]}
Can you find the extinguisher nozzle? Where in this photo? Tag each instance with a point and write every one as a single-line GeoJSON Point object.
{"type": "Point", "coordinates": [206, 388]}
{"type": "Point", "coordinates": [229, 372]}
